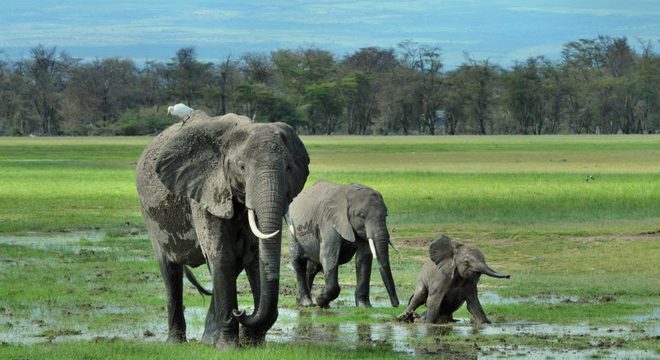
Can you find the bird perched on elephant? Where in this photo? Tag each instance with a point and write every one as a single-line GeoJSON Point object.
{"type": "Point", "coordinates": [328, 225]}
{"type": "Point", "coordinates": [215, 192]}
{"type": "Point", "coordinates": [447, 280]}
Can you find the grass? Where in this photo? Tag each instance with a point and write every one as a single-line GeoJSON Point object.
{"type": "Point", "coordinates": [580, 252]}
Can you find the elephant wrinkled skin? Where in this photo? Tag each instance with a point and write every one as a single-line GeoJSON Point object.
{"type": "Point", "coordinates": [447, 280]}
{"type": "Point", "coordinates": [328, 225]}
{"type": "Point", "coordinates": [200, 183]}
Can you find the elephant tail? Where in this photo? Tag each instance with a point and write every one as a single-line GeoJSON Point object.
{"type": "Point", "coordinates": [193, 280]}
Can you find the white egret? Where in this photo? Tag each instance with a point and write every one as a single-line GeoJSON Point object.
{"type": "Point", "coordinates": [180, 110]}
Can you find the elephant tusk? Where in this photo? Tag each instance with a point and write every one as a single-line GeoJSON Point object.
{"type": "Point", "coordinates": [393, 247]}
{"type": "Point", "coordinates": [255, 229]}
{"type": "Point", "coordinates": [373, 248]}
{"type": "Point", "coordinates": [287, 218]}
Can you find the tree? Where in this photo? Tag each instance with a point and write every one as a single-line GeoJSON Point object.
{"type": "Point", "coordinates": [151, 84]}
{"type": "Point", "coordinates": [480, 82]}
{"type": "Point", "coordinates": [187, 76]}
{"type": "Point", "coordinates": [367, 77]}
{"type": "Point", "coordinates": [47, 74]}
{"type": "Point", "coordinates": [101, 91]}
{"type": "Point", "coordinates": [218, 94]}
{"type": "Point", "coordinates": [426, 64]}
{"type": "Point", "coordinates": [324, 107]}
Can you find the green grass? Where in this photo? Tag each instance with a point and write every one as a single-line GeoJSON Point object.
{"type": "Point", "coordinates": [109, 349]}
{"type": "Point", "coordinates": [592, 246]}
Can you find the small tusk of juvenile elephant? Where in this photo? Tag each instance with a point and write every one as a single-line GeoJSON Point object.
{"type": "Point", "coordinates": [393, 247]}
{"type": "Point", "coordinates": [255, 229]}
{"type": "Point", "coordinates": [373, 248]}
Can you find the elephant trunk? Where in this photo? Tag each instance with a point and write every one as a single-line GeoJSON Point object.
{"type": "Point", "coordinates": [268, 201]}
{"type": "Point", "coordinates": [485, 269]}
{"type": "Point", "coordinates": [379, 247]}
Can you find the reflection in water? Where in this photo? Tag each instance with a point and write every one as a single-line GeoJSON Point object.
{"type": "Point", "coordinates": [303, 326]}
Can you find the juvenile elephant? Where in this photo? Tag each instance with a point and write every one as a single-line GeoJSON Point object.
{"type": "Point", "coordinates": [214, 190]}
{"type": "Point", "coordinates": [328, 225]}
{"type": "Point", "coordinates": [447, 280]}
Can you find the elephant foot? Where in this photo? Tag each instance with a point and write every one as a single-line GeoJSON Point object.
{"type": "Point", "coordinates": [408, 317]}
{"type": "Point", "coordinates": [305, 301]}
{"type": "Point", "coordinates": [176, 338]}
{"type": "Point", "coordinates": [363, 303]}
{"type": "Point", "coordinates": [227, 340]}
{"type": "Point", "coordinates": [324, 306]}
{"type": "Point", "coordinates": [226, 344]}
{"type": "Point", "coordinates": [209, 336]}
{"type": "Point", "coordinates": [481, 321]}
{"type": "Point", "coordinates": [324, 301]}
{"type": "Point", "coordinates": [252, 337]}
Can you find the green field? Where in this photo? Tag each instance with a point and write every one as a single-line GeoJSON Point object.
{"type": "Point", "coordinates": [76, 266]}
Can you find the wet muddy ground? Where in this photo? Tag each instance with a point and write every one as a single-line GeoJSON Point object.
{"type": "Point", "coordinates": [45, 320]}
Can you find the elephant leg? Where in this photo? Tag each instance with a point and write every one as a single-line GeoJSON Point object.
{"type": "Point", "coordinates": [218, 241]}
{"type": "Point", "coordinates": [363, 260]}
{"type": "Point", "coordinates": [299, 263]}
{"type": "Point", "coordinates": [331, 289]}
{"type": "Point", "coordinates": [329, 257]}
{"type": "Point", "coordinates": [312, 269]}
{"type": "Point", "coordinates": [434, 313]}
{"type": "Point", "coordinates": [224, 300]}
{"type": "Point", "coordinates": [211, 325]}
{"type": "Point", "coordinates": [474, 307]}
{"type": "Point", "coordinates": [418, 298]}
{"type": "Point", "coordinates": [176, 323]}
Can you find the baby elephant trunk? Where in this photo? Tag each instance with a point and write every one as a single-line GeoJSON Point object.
{"type": "Point", "coordinates": [485, 269]}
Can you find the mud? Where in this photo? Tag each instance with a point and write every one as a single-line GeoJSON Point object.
{"type": "Point", "coordinates": [459, 340]}
{"type": "Point", "coordinates": [298, 326]}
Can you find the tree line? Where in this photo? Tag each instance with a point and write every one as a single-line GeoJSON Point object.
{"type": "Point", "coordinates": [601, 85]}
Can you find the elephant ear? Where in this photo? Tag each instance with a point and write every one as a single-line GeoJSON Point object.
{"type": "Point", "coordinates": [336, 213]}
{"type": "Point", "coordinates": [441, 252]}
{"type": "Point", "coordinates": [190, 165]}
{"type": "Point", "coordinates": [300, 167]}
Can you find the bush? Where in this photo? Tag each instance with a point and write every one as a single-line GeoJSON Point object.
{"type": "Point", "coordinates": [134, 123]}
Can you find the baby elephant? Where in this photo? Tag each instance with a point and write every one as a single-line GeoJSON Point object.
{"type": "Point", "coordinates": [328, 225]}
{"type": "Point", "coordinates": [447, 280]}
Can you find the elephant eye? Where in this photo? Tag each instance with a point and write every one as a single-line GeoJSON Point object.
{"type": "Point", "coordinates": [241, 165]}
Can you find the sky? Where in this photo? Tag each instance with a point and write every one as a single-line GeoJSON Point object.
{"type": "Point", "coordinates": [503, 31]}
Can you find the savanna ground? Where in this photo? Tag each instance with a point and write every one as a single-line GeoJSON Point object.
{"type": "Point", "coordinates": [78, 279]}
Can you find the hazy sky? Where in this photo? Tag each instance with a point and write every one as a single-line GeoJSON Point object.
{"type": "Point", "coordinates": [502, 30]}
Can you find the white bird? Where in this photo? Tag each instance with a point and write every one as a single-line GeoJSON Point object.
{"type": "Point", "coordinates": [180, 110]}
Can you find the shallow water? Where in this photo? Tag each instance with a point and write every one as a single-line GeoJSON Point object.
{"type": "Point", "coordinates": [296, 326]}
{"type": "Point", "coordinates": [70, 241]}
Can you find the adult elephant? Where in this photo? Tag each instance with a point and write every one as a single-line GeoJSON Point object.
{"type": "Point", "coordinates": [214, 190]}
{"type": "Point", "coordinates": [329, 224]}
